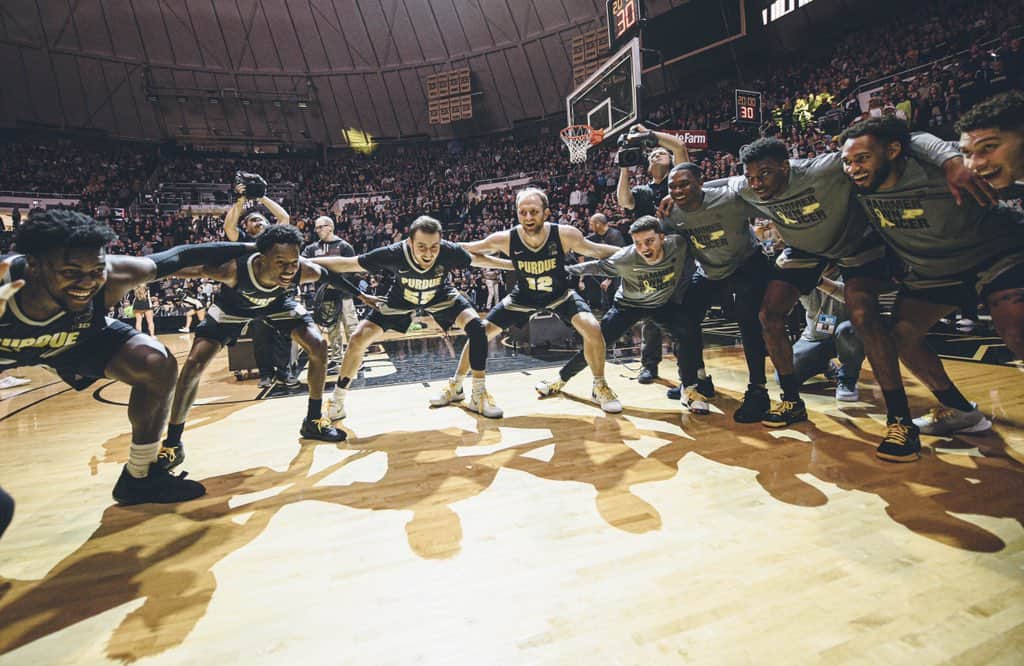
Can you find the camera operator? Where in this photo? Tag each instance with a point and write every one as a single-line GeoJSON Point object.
{"type": "Point", "coordinates": [272, 349]}
{"type": "Point", "coordinates": [665, 150]}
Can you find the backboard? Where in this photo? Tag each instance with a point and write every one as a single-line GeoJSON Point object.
{"type": "Point", "coordinates": [608, 98]}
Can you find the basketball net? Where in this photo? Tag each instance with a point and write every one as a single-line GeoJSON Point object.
{"type": "Point", "coordinates": [578, 139]}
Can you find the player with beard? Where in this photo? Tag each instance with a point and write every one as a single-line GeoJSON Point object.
{"type": "Point", "coordinates": [259, 285]}
{"type": "Point", "coordinates": [811, 203]}
{"type": "Point", "coordinates": [992, 141]}
{"type": "Point", "coordinates": [53, 303]}
{"type": "Point", "coordinates": [643, 200]}
{"type": "Point", "coordinates": [420, 266]}
{"type": "Point", "coordinates": [653, 272]}
{"type": "Point", "coordinates": [715, 221]}
{"type": "Point", "coordinates": [952, 252]}
{"type": "Point", "coordinates": [537, 249]}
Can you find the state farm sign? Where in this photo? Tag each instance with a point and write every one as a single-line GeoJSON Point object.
{"type": "Point", "coordinates": [692, 139]}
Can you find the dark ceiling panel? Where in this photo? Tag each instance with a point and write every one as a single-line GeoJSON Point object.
{"type": "Point", "coordinates": [311, 34]}
{"type": "Point", "coordinates": [427, 35]}
{"type": "Point", "coordinates": [450, 25]}
{"type": "Point", "coordinates": [367, 59]}
{"type": "Point", "coordinates": [285, 36]}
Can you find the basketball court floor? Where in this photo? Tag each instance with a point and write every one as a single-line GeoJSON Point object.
{"type": "Point", "coordinates": [557, 535]}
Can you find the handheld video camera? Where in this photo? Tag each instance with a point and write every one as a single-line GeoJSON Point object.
{"type": "Point", "coordinates": [254, 184]}
{"type": "Point", "coordinates": [632, 147]}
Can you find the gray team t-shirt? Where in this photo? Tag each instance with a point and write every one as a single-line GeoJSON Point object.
{"type": "Point", "coordinates": [719, 232]}
{"type": "Point", "coordinates": [934, 236]}
{"type": "Point", "coordinates": [643, 285]}
{"type": "Point", "coordinates": [816, 212]}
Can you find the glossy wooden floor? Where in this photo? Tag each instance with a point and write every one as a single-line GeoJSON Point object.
{"type": "Point", "coordinates": [558, 535]}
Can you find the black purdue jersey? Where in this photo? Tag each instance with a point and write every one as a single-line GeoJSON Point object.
{"type": "Point", "coordinates": [248, 298]}
{"type": "Point", "coordinates": [414, 287]}
{"type": "Point", "coordinates": [25, 341]}
{"type": "Point", "coordinates": [540, 274]}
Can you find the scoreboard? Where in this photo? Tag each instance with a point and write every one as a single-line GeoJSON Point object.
{"type": "Point", "coordinates": [748, 107]}
{"type": "Point", "coordinates": [624, 18]}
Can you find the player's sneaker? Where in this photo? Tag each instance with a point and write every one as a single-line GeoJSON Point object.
{"type": "Point", "coordinates": [755, 405]}
{"type": "Point", "coordinates": [287, 378]}
{"type": "Point", "coordinates": [647, 376]}
{"type": "Point", "coordinates": [604, 396]}
{"type": "Point", "coordinates": [947, 421]}
{"type": "Point", "coordinates": [450, 392]}
{"type": "Point", "coordinates": [902, 443]}
{"type": "Point", "coordinates": [705, 386]}
{"type": "Point", "coordinates": [183, 329]}
{"type": "Point", "coordinates": [483, 403]}
{"type": "Point", "coordinates": [336, 409]}
{"type": "Point", "coordinates": [847, 391]}
{"type": "Point", "coordinates": [548, 387]}
{"type": "Point", "coordinates": [322, 430]}
{"type": "Point", "coordinates": [160, 487]}
{"type": "Point", "coordinates": [695, 401]}
{"type": "Point", "coordinates": [170, 455]}
{"type": "Point", "coordinates": [266, 381]}
{"type": "Point", "coordinates": [785, 413]}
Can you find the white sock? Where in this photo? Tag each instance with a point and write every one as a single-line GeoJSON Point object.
{"type": "Point", "coordinates": [478, 385]}
{"type": "Point", "coordinates": [598, 379]}
{"type": "Point", "coordinates": [139, 458]}
{"type": "Point", "coordinates": [701, 374]}
{"type": "Point", "coordinates": [339, 394]}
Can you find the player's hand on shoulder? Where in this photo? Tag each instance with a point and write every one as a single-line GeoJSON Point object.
{"type": "Point", "coordinates": [961, 180]}
{"type": "Point", "coordinates": [7, 291]}
{"type": "Point", "coordinates": [665, 207]}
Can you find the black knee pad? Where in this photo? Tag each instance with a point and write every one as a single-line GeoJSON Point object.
{"type": "Point", "coordinates": [476, 333]}
{"type": "Point", "coordinates": [6, 510]}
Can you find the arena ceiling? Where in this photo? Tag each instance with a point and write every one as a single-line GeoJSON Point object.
{"type": "Point", "coordinates": [290, 70]}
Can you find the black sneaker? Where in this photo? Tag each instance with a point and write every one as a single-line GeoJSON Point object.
{"type": "Point", "coordinates": [785, 413]}
{"type": "Point", "coordinates": [171, 455]}
{"type": "Point", "coordinates": [159, 487]}
{"type": "Point", "coordinates": [755, 405]}
{"type": "Point", "coordinates": [646, 376]}
{"type": "Point", "coordinates": [705, 386]}
{"type": "Point", "coordinates": [902, 443]}
{"type": "Point", "coordinates": [321, 429]}
{"type": "Point", "coordinates": [266, 381]}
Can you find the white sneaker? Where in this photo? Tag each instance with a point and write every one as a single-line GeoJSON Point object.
{"type": "Point", "coordinates": [11, 382]}
{"type": "Point", "coordinates": [182, 330]}
{"type": "Point", "coordinates": [336, 410]}
{"type": "Point", "coordinates": [604, 396]}
{"type": "Point", "coordinates": [946, 421]}
{"type": "Point", "coordinates": [695, 401]}
{"type": "Point", "coordinates": [965, 325]}
{"type": "Point", "coordinates": [483, 403]}
{"type": "Point", "coordinates": [548, 387]}
{"type": "Point", "coordinates": [451, 392]}
{"type": "Point", "coordinates": [847, 392]}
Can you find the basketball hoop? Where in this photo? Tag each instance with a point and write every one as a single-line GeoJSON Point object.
{"type": "Point", "coordinates": [579, 139]}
